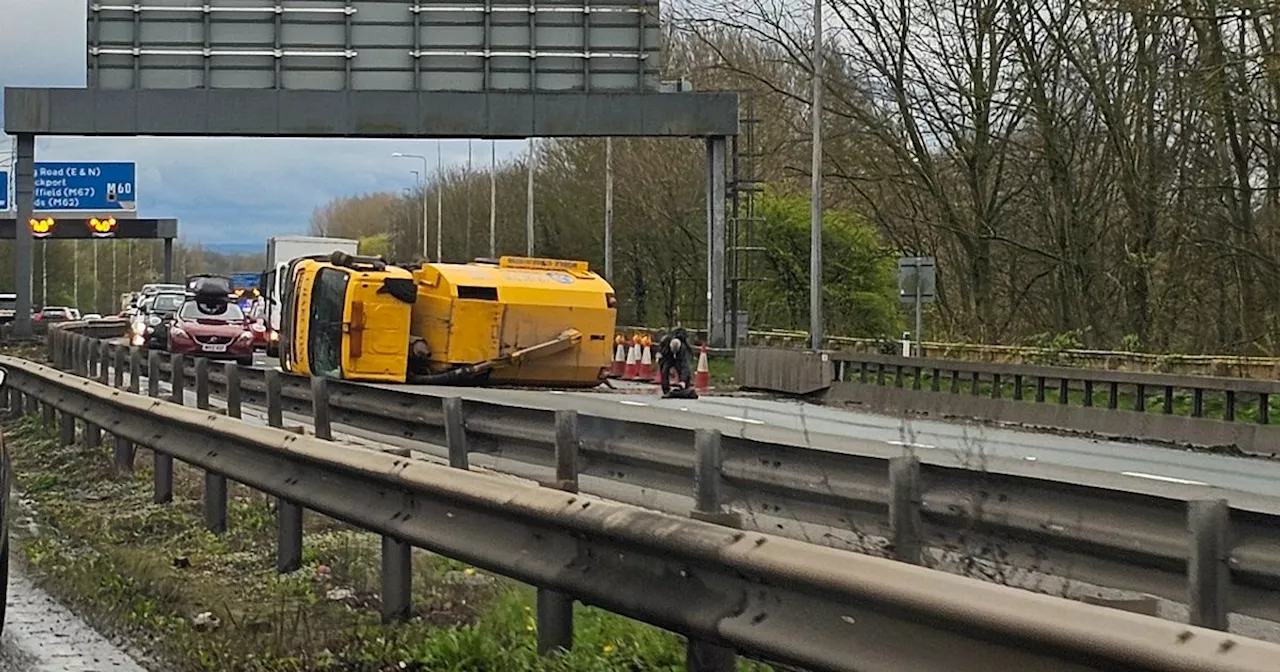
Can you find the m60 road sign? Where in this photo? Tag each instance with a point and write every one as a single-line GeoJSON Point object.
{"type": "Point", "coordinates": [86, 186]}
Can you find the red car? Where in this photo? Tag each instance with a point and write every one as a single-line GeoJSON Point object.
{"type": "Point", "coordinates": [212, 329]}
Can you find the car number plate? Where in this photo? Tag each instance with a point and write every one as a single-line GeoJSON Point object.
{"type": "Point", "coordinates": [209, 347]}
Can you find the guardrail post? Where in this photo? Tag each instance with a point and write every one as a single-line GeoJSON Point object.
{"type": "Point", "coordinates": [320, 407]}
{"type": "Point", "coordinates": [567, 446]}
{"type": "Point", "coordinates": [703, 657]}
{"type": "Point", "coordinates": [123, 455]}
{"type": "Point", "coordinates": [455, 432]}
{"type": "Point", "coordinates": [177, 379]}
{"type": "Point", "coordinates": [153, 374]}
{"type": "Point", "coordinates": [1088, 394]}
{"type": "Point", "coordinates": [163, 476]}
{"type": "Point", "coordinates": [904, 508]}
{"type": "Point", "coordinates": [50, 417]}
{"type": "Point", "coordinates": [232, 372]}
{"type": "Point", "coordinates": [202, 383]}
{"type": "Point", "coordinates": [1229, 413]}
{"type": "Point", "coordinates": [1140, 398]}
{"type": "Point", "coordinates": [288, 514]}
{"type": "Point", "coordinates": [708, 480]}
{"type": "Point", "coordinates": [118, 380]}
{"type": "Point", "coordinates": [555, 609]}
{"type": "Point", "coordinates": [288, 536]}
{"type": "Point", "coordinates": [1039, 389]}
{"type": "Point", "coordinates": [33, 408]}
{"type": "Point", "coordinates": [77, 354]}
{"type": "Point", "coordinates": [135, 370]}
{"type": "Point", "coordinates": [1064, 390]}
{"type": "Point", "coordinates": [104, 363]}
{"type": "Point", "coordinates": [1197, 403]}
{"type": "Point", "coordinates": [15, 402]}
{"type": "Point", "coordinates": [1208, 567]}
{"type": "Point", "coordinates": [68, 426]}
{"type": "Point", "coordinates": [1264, 408]}
{"type": "Point", "coordinates": [397, 580]}
{"type": "Point", "coordinates": [91, 357]}
{"type": "Point", "coordinates": [92, 435]}
{"type": "Point", "coordinates": [55, 348]}
{"type": "Point", "coordinates": [275, 413]}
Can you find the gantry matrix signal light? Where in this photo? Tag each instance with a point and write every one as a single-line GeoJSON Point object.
{"type": "Point", "coordinates": [41, 228]}
{"type": "Point", "coordinates": [102, 228]}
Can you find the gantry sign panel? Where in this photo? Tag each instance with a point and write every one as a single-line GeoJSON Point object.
{"type": "Point", "coordinates": [376, 45]}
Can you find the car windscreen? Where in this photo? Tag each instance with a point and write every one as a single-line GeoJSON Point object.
{"type": "Point", "coordinates": [54, 312]}
{"type": "Point", "coordinates": [8, 303]}
{"type": "Point", "coordinates": [225, 312]}
{"type": "Point", "coordinates": [165, 303]}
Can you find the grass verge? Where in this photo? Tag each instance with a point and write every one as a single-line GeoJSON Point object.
{"type": "Point", "coordinates": [184, 599]}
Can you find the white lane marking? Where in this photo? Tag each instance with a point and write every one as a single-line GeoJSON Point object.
{"type": "Point", "coordinates": [686, 410]}
{"type": "Point", "coordinates": [749, 421]}
{"type": "Point", "coordinates": [1030, 458]}
{"type": "Point", "coordinates": [626, 402]}
{"type": "Point", "coordinates": [1166, 479]}
{"type": "Point", "coordinates": [912, 445]}
{"type": "Point", "coordinates": [556, 391]}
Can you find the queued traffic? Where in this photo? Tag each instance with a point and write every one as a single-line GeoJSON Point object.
{"type": "Point", "coordinates": [323, 309]}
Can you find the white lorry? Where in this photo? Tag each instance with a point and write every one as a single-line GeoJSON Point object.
{"type": "Point", "coordinates": [280, 251]}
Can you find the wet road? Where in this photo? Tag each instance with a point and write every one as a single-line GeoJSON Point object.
{"type": "Point", "coordinates": [40, 635]}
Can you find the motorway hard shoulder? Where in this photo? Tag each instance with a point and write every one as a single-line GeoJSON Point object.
{"type": "Point", "coordinates": [41, 635]}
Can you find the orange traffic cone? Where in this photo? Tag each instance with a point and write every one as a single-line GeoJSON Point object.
{"type": "Point", "coordinates": [702, 377]}
{"type": "Point", "coordinates": [645, 370]}
{"type": "Point", "coordinates": [619, 360]}
{"type": "Point", "coordinates": [629, 372]}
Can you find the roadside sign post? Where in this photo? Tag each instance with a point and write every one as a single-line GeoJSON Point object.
{"type": "Point", "coordinates": [917, 284]}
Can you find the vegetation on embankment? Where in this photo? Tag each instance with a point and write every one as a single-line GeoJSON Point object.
{"type": "Point", "coordinates": [184, 599]}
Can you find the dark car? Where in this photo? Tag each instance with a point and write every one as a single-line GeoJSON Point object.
{"type": "Point", "coordinates": [213, 329]}
{"type": "Point", "coordinates": [150, 326]}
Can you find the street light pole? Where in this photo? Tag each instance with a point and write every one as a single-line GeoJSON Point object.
{"type": "Point", "coordinates": [815, 204]}
{"type": "Point", "coordinates": [493, 199]}
{"type": "Point", "coordinates": [528, 215]}
{"type": "Point", "coordinates": [439, 205]}
{"type": "Point", "coordinates": [400, 155]}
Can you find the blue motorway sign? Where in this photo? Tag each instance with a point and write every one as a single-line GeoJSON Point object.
{"type": "Point", "coordinates": [4, 191]}
{"type": "Point", "coordinates": [85, 186]}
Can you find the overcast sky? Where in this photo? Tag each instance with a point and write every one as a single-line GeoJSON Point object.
{"type": "Point", "coordinates": [222, 190]}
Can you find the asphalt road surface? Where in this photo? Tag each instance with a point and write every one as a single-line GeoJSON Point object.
{"type": "Point", "coordinates": [40, 635]}
{"type": "Point", "coordinates": [1149, 462]}
{"type": "Point", "coordinates": [943, 440]}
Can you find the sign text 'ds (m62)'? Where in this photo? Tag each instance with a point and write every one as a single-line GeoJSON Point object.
{"type": "Point", "coordinates": [86, 186]}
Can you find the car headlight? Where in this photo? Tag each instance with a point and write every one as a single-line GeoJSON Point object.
{"type": "Point", "coordinates": [175, 330]}
{"type": "Point", "coordinates": [246, 335]}
{"type": "Point", "coordinates": [258, 327]}
{"type": "Point", "coordinates": [275, 336]}
{"type": "Point", "coordinates": [153, 321]}
{"type": "Point", "coordinates": [139, 340]}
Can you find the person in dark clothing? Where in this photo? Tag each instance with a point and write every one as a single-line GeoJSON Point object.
{"type": "Point", "coordinates": [673, 351]}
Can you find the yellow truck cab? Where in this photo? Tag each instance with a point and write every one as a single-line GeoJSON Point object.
{"type": "Point", "coordinates": [347, 320]}
{"type": "Point", "coordinates": [520, 321]}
